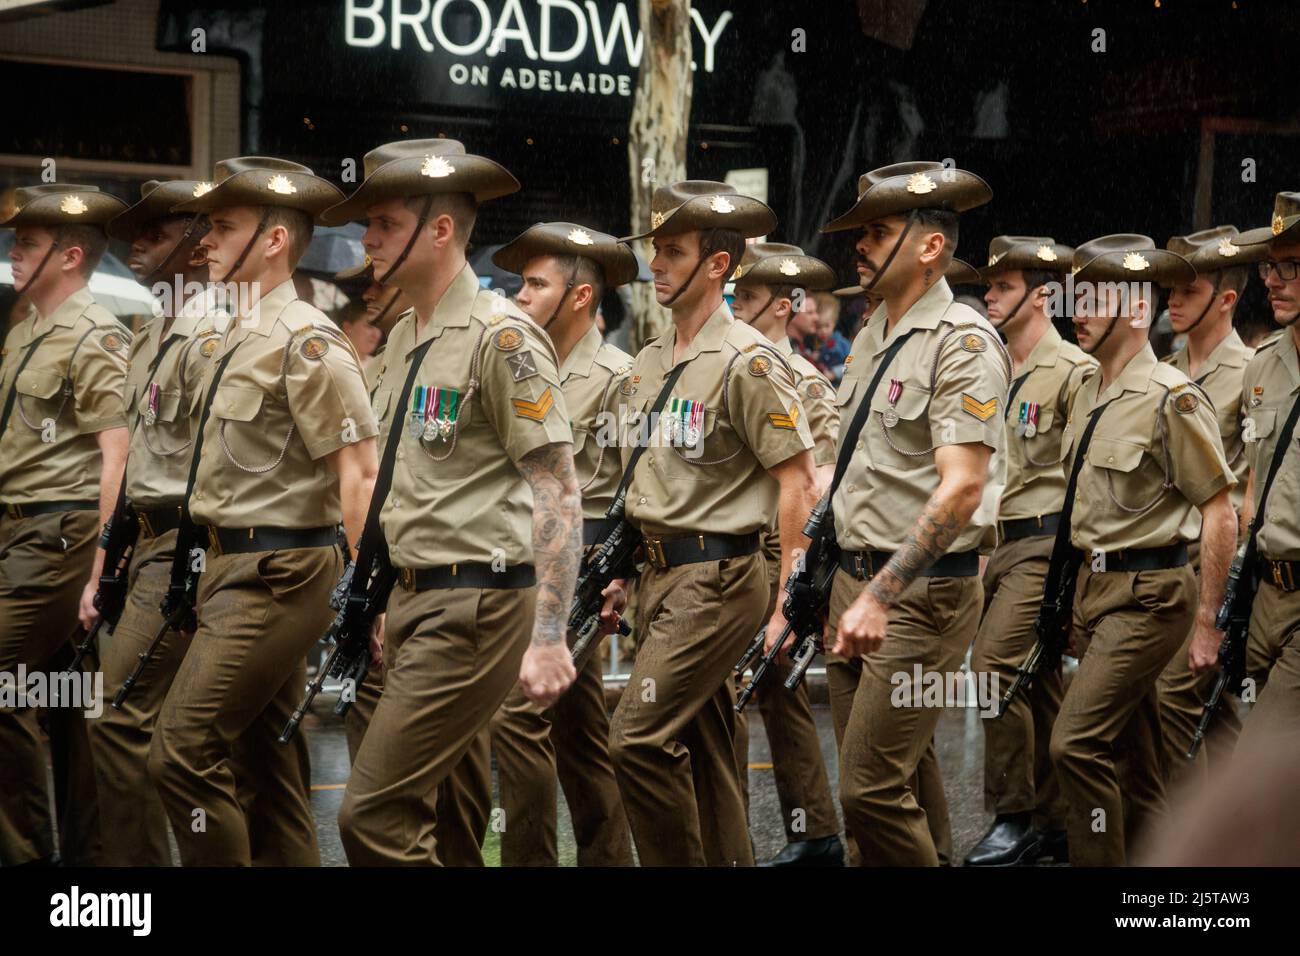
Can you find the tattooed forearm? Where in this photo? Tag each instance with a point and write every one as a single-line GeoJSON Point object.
{"type": "Point", "coordinates": [929, 539]}
{"type": "Point", "coordinates": [557, 535]}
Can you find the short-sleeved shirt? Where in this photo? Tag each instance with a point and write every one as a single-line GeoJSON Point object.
{"type": "Point", "coordinates": [69, 391]}
{"type": "Point", "coordinates": [1220, 376]}
{"type": "Point", "coordinates": [1051, 375]}
{"type": "Point", "coordinates": [733, 414]}
{"type": "Point", "coordinates": [291, 395]}
{"type": "Point", "coordinates": [946, 386]}
{"type": "Point", "coordinates": [1154, 458]}
{"type": "Point", "coordinates": [159, 395]}
{"type": "Point", "coordinates": [492, 380]}
{"type": "Point", "coordinates": [591, 377]}
{"type": "Point", "coordinates": [1270, 385]}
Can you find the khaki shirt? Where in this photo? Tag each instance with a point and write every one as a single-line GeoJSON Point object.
{"type": "Point", "coordinates": [1035, 479]}
{"type": "Point", "coordinates": [158, 465]}
{"type": "Point", "coordinates": [1220, 376]}
{"type": "Point", "coordinates": [461, 498]}
{"type": "Point", "coordinates": [591, 376]}
{"type": "Point", "coordinates": [70, 390]}
{"type": "Point", "coordinates": [1155, 456]}
{"type": "Point", "coordinates": [817, 396]}
{"type": "Point", "coordinates": [751, 421]}
{"type": "Point", "coordinates": [291, 395]}
{"type": "Point", "coordinates": [954, 375]}
{"type": "Point", "coordinates": [1270, 384]}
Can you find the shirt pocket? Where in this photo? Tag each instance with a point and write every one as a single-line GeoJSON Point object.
{"type": "Point", "coordinates": [912, 431]}
{"type": "Point", "coordinates": [1048, 447]}
{"type": "Point", "coordinates": [1129, 477]}
{"type": "Point", "coordinates": [41, 390]}
{"type": "Point", "coordinates": [683, 462]}
{"type": "Point", "coordinates": [1259, 425]}
{"type": "Point", "coordinates": [169, 402]}
{"type": "Point", "coordinates": [452, 456]}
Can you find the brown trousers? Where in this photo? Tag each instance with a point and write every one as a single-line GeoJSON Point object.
{"type": "Point", "coordinates": [239, 682]}
{"type": "Point", "coordinates": [134, 822]}
{"type": "Point", "coordinates": [802, 786]}
{"type": "Point", "coordinates": [45, 562]}
{"type": "Point", "coordinates": [672, 735]}
{"type": "Point", "coordinates": [1181, 697]}
{"type": "Point", "coordinates": [1018, 772]}
{"type": "Point", "coordinates": [451, 656]}
{"type": "Point", "coordinates": [1127, 625]}
{"type": "Point", "coordinates": [1273, 662]}
{"type": "Point", "coordinates": [891, 790]}
{"type": "Point", "coordinates": [569, 740]}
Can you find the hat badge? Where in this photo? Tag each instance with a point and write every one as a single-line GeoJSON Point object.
{"type": "Point", "coordinates": [739, 271]}
{"type": "Point", "coordinates": [1046, 253]}
{"type": "Point", "coordinates": [657, 219]}
{"type": "Point", "coordinates": [920, 184]}
{"type": "Point", "coordinates": [202, 189]}
{"type": "Point", "coordinates": [580, 237]}
{"type": "Point", "coordinates": [994, 257]}
{"type": "Point", "coordinates": [1227, 249]}
{"type": "Point", "coordinates": [721, 204]}
{"type": "Point", "coordinates": [72, 205]}
{"type": "Point", "coordinates": [280, 184]}
{"type": "Point", "coordinates": [435, 167]}
{"type": "Point", "coordinates": [1278, 224]}
{"type": "Point", "coordinates": [1134, 262]}
{"type": "Point", "coordinates": [789, 267]}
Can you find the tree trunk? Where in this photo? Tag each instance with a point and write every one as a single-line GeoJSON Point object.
{"type": "Point", "coordinates": [656, 142]}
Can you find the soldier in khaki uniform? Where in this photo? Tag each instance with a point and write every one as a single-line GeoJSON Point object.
{"type": "Point", "coordinates": [483, 522]}
{"type": "Point", "coordinates": [1215, 358]}
{"type": "Point", "coordinates": [287, 453]}
{"type": "Point", "coordinates": [1269, 388]}
{"type": "Point", "coordinates": [1154, 460]}
{"type": "Point", "coordinates": [566, 269]}
{"type": "Point", "coordinates": [766, 282]}
{"type": "Point", "coordinates": [916, 501]}
{"type": "Point", "coordinates": [730, 450]}
{"type": "Point", "coordinates": [167, 361]}
{"type": "Point", "coordinates": [62, 447]}
{"type": "Point", "coordinates": [1020, 785]}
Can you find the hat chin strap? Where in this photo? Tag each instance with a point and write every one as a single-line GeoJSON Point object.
{"type": "Point", "coordinates": [248, 247]}
{"type": "Point", "coordinates": [767, 305]}
{"type": "Point", "coordinates": [1012, 314]}
{"type": "Point", "coordinates": [1104, 336]}
{"type": "Point", "coordinates": [189, 231]}
{"type": "Point", "coordinates": [410, 242]}
{"type": "Point", "coordinates": [39, 269]}
{"type": "Point", "coordinates": [573, 274]}
{"type": "Point", "coordinates": [907, 227]}
{"type": "Point", "coordinates": [705, 251]}
{"type": "Point", "coordinates": [1214, 294]}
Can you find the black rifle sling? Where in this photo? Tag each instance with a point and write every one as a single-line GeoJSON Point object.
{"type": "Point", "coordinates": [660, 401]}
{"type": "Point", "coordinates": [1061, 545]}
{"type": "Point", "coordinates": [862, 414]}
{"type": "Point", "coordinates": [1015, 388]}
{"type": "Point", "coordinates": [13, 386]}
{"type": "Point", "coordinates": [1283, 442]}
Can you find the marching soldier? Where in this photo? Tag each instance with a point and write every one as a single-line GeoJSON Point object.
{"type": "Point", "coordinates": [285, 453]}
{"type": "Point", "coordinates": [914, 504]}
{"type": "Point", "coordinates": [167, 360]}
{"type": "Point", "coordinates": [1020, 786]}
{"type": "Point", "coordinates": [729, 449]}
{"type": "Point", "coordinates": [566, 268]}
{"type": "Point", "coordinates": [1269, 396]}
{"type": "Point", "coordinates": [1215, 358]}
{"type": "Point", "coordinates": [766, 282]}
{"type": "Point", "coordinates": [62, 447]}
{"type": "Point", "coordinates": [483, 522]}
{"type": "Point", "coordinates": [1153, 458]}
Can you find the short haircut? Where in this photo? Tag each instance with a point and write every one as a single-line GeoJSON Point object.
{"type": "Point", "coordinates": [585, 272]}
{"type": "Point", "coordinates": [1232, 278]}
{"type": "Point", "coordinates": [461, 207]}
{"type": "Point", "coordinates": [940, 220]}
{"type": "Point", "coordinates": [784, 290]}
{"type": "Point", "coordinates": [723, 240]}
{"type": "Point", "coordinates": [299, 226]}
{"type": "Point", "coordinates": [1036, 277]}
{"type": "Point", "coordinates": [91, 240]}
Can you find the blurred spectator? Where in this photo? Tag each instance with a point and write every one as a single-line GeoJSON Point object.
{"type": "Point", "coordinates": [814, 336]}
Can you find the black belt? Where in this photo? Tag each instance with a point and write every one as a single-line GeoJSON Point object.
{"type": "Point", "coordinates": [591, 528]}
{"type": "Point", "coordinates": [48, 508]}
{"type": "Point", "coordinates": [1018, 528]}
{"type": "Point", "coordinates": [470, 574]}
{"type": "Point", "coordinates": [250, 540]}
{"type": "Point", "coordinates": [158, 521]}
{"type": "Point", "coordinates": [665, 553]}
{"type": "Point", "coordinates": [1283, 575]}
{"type": "Point", "coordinates": [865, 564]}
{"type": "Point", "coordinates": [1140, 559]}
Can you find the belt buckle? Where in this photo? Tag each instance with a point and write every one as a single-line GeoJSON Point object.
{"type": "Point", "coordinates": [407, 576]}
{"type": "Point", "coordinates": [145, 524]}
{"type": "Point", "coordinates": [654, 552]}
{"type": "Point", "coordinates": [860, 572]}
{"type": "Point", "coordinates": [214, 542]}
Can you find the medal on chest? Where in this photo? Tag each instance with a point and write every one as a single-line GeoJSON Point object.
{"type": "Point", "coordinates": [1027, 421]}
{"type": "Point", "coordinates": [434, 412]}
{"type": "Point", "coordinates": [151, 408]}
{"type": "Point", "coordinates": [889, 417]}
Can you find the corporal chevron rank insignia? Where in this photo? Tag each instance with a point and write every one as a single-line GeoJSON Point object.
{"type": "Point", "coordinates": [535, 410]}
{"type": "Point", "coordinates": [786, 421]}
{"type": "Point", "coordinates": [981, 410]}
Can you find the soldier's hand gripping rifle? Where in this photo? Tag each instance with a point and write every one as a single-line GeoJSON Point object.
{"type": "Point", "coordinates": [118, 541]}
{"type": "Point", "coordinates": [610, 559]}
{"type": "Point", "coordinates": [1234, 620]}
{"type": "Point", "coordinates": [808, 591]}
